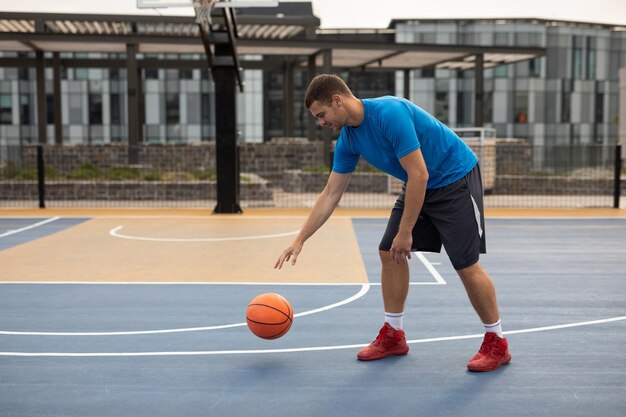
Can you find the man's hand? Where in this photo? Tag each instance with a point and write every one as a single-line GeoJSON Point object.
{"type": "Point", "coordinates": [291, 253]}
{"type": "Point", "coordinates": [401, 247]}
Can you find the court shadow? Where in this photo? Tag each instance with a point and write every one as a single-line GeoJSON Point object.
{"type": "Point", "coordinates": [463, 394]}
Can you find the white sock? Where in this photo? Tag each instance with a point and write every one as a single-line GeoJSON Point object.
{"type": "Point", "coordinates": [494, 328]}
{"type": "Point", "coordinates": [394, 319]}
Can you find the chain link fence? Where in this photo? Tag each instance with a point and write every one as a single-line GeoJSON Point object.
{"type": "Point", "coordinates": [289, 173]}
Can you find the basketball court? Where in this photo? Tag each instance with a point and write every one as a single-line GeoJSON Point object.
{"type": "Point", "coordinates": [141, 313]}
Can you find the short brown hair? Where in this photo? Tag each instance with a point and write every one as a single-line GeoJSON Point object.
{"type": "Point", "coordinates": [323, 87]}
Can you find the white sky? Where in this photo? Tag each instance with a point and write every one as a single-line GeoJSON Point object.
{"type": "Point", "coordinates": [375, 14]}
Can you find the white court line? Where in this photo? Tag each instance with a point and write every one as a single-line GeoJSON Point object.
{"type": "Point", "coordinates": [431, 269]}
{"type": "Point", "coordinates": [32, 226]}
{"type": "Point", "coordinates": [251, 283]}
{"type": "Point", "coordinates": [364, 289]}
{"type": "Point", "coordinates": [302, 349]}
{"type": "Point", "coordinates": [114, 232]}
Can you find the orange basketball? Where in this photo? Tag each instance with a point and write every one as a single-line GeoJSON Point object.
{"type": "Point", "coordinates": [269, 315]}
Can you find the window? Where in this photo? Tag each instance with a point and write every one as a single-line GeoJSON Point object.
{"type": "Point", "coordinates": [488, 107]}
{"type": "Point", "coordinates": [50, 109]}
{"type": "Point", "coordinates": [25, 109]}
{"type": "Point", "coordinates": [520, 108]}
{"type": "Point", "coordinates": [442, 107]}
{"type": "Point", "coordinates": [463, 103]}
{"type": "Point", "coordinates": [81, 73]}
{"type": "Point", "coordinates": [6, 110]}
{"type": "Point", "coordinates": [116, 109]}
{"type": "Point", "coordinates": [205, 109]}
{"type": "Point", "coordinates": [599, 113]}
{"type": "Point", "coordinates": [95, 109]}
{"type": "Point", "coordinates": [566, 106]}
{"type": "Point", "coordinates": [591, 59]}
{"type": "Point", "coordinates": [501, 71]}
{"type": "Point", "coordinates": [577, 58]}
{"type": "Point", "coordinates": [172, 109]}
{"type": "Point", "coordinates": [534, 67]}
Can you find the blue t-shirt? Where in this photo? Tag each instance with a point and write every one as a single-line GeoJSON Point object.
{"type": "Point", "coordinates": [394, 127]}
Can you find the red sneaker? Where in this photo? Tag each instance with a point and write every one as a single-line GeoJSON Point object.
{"type": "Point", "coordinates": [493, 352]}
{"type": "Point", "coordinates": [389, 342]}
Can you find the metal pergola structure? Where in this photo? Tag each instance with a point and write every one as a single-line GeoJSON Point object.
{"type": "Point", "coordinates": [285, 42]}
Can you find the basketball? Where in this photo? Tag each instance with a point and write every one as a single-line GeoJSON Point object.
{"type": "Point", "coordinates": [269, 316]}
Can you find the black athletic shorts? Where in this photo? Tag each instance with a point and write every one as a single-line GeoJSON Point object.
{"type": "Point", "coordinates": [452, 215]}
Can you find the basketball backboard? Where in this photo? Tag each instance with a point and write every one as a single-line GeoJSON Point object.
{"type": "Point", "coordinates": [157, 4]}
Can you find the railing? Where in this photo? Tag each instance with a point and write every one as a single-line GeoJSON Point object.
{"type": "Point", "coordinates": [290, 175]}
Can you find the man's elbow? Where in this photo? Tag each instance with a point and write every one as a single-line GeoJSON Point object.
{"type": "Point", "coordinates": [420, 177]}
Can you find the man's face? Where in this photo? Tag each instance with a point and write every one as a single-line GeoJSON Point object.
{"type": "Point", "coordinates": [331, 115]}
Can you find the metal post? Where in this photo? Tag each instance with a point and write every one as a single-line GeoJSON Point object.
{"type": "Point", "coordinates": [58, 119]}
{"type": "Point", "coordinates": [288, 99]}
{"type": "Point", "coordinates": [311, 72]}
{"type": "Point", "coordinates": [141, 106]}
{"type": "Point", "coordinates": [617, 181]}
{"type": "Point", "coordinates": [41, 177]}
{"type": "Point", "coordinates": [326, 133]}
{"type": "Point", "coordinates": [479, 80]}
{"type": "Point", "coordinates": [132, 104]}
{"type": "Point", "coordinates": [42, 112]}
{"type": "Point", "coordinates": [225, 80]}
{"type": "Point", "coordinates": [407, 84]}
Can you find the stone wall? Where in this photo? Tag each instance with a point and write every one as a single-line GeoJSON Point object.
{"type": "Point", "coordinates": [269, 160]}
{"type": "Point", "coordinates": [550, 185]}
{"type": "Point", "coordinates": [254, 189]}
{"type": "Point", "coordinates": [297, 181]}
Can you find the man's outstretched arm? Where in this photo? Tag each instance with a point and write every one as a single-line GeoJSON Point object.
{"type": "Point", "coordinates": [323, 208]}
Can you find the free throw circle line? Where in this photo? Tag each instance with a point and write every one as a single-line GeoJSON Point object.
{"type": "Point", "coordinates": [364, 289]}
{"type": "Point", "coordinates": [114, 232]}
{"type": "Point", "coordinates": [303, 349]}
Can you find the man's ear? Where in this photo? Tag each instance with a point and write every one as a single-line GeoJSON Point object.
{"type": "Point", "coordinates": [337, 99]}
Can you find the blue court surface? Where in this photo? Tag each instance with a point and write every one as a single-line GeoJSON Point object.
{"type": "Point", "coordinates": [182, 349]}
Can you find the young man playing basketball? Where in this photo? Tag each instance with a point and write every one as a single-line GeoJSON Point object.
{"type": "Point", "coordinates": [441, 203]}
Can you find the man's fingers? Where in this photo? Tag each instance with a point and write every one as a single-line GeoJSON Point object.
{"type": "Point", "coordinates": [399, 256]}
{"type": "Point", "coordinates": [288, 255]}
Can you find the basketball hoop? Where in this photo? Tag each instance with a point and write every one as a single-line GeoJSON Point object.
{"type": "Point", "coordinates": [203, 12]}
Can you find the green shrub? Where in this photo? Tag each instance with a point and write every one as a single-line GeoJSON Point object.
{"type": "Point", "coordinates": [85, 171]}
{"type": "Point", "coordinates": [25, 174]}
{"type": "Point", "coordinates": [152, 176]}
{"type": "Point", "coordinates": [122, 173]}
{"type": "Point", "coordinates": [198, 174]}
{"type": "Point", "coordinates": [52, 173]}
{"type": "Point", "coordinates": [316, 168]}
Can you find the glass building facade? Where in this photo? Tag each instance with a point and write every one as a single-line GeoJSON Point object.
{"type": "Point", "coordinates": [569, 96]}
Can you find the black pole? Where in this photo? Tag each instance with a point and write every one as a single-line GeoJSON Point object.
{"type": "Point", "coordinates": [407, 84]}
{"type": "Point", "coordinates": [132, 94]}
{"type": "Point", "coordinates": [617, 186]}
{"type": "Point", "coordinates": [311, 125]}
{"type": "Point", "coordinates": [58, 118]}
{"type": "Point", "coordinates": [42, 110]}
{"type": "Point", "coordinates": [41, 177]}
{"type": "Point", "coordinates": [479, 90]}
{"type": "Point", "coordinates": [326, 132]}
{"type": "Point", "coordinates": [225, 81]}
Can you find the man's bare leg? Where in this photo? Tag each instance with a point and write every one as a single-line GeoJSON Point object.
{"type": "Point", "coordinates": [395, 283]}
{"type": "Point", "coordinates": [481, 292]}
